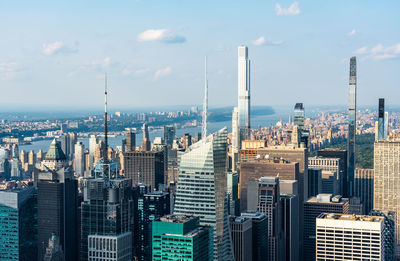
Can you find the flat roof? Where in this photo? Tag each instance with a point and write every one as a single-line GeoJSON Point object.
{"type": "Point", "coordinates": [364, 218]}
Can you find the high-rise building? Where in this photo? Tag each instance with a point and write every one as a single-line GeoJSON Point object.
{"type": "Point", "coordinates": [364, 188]}
{"type": "Point", "coordinates": [18, 224]}
{"type": "Point", "coordinates": [260, 234]}
{"type": "Point", "coordinates": [331, 175]}
{"type": "Point", "coordinates": [150, 206]}
{"type": "Point", "coordinates": [54, 250]}
{"type": "Point", "coordinates": [233, 190]}
{"type": "Point", "coordinates": [130, 141]}
{"type": "Point", "coordinates": [299, 116]}
{"type": "Point", "coordinates": [177, 237]}
{"type": "Point", "coordinates": [57, 203]}
{"type": "Point", "coordinates": [353, 237]}
{"type": "Point", "coordinates": [146, 143]}
{"type": "Point", "coordinates": [202, 171]}
{"type": "Point", "coordinates": [340, 154]}
{"type": "Point", "coordinates": [169, 135]}
{"type": "Point", "coordinates": [381, 120]}
{"type": "Point", "coordinates": [243, 92]}
{"type": "Point", "coordinates": [106, 215]}
{"type": "Point", "coordinates": [314, 182]}
{"type": "Point", "coordinates": [255, 169]}
{"type": "Point", "coordinates": [145, 167]}
{"type": "Point", "coordinates": [93, 140]}
{"type": "Point", "coordinates": [290, 225]}
{"type": "Point", "coordinates": [187, 140]}
{"type": "Point", "coordinates": [322, 203]}
{"type": "Point", "coordinates": [235, 139]}
{"type": "Point", "coordinates": [242, 238]}
{"type": "Point", "coordinates": [269, 203]}
{"type": "Point", "coordinates": [387, 179]}
{"type": "Point", "coordinates": [79, 160]}
{"type": "Point", "coordinates": [351, 139]}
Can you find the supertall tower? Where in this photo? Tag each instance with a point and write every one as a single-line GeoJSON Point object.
{"type": "Point", "coordinates": [381, 120]}
{"type": "Point", "coordinates": [243, 92]}
{"type": "Point", "coordinates": [351, 140]}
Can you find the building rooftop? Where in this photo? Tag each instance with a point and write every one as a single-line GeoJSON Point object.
{"type": "Point", "coordinates": [363, 218]}
{"type": "Point", "coordinates": [327, 198]}
{"type": "Point", "coordinates": [177, 218]}
{"type": "Point", "coordinates": [55, 152]}
{"type": "Point", "coordinates": [253, 214]}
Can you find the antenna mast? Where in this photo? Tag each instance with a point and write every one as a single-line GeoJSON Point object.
{"type": "Point", "coordinates": [205, 103]}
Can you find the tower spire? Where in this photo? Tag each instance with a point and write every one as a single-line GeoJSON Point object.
{"type": "Point", "coordinates": [205, 103]}
{"type": "Point", "coordinates": [105, 156]}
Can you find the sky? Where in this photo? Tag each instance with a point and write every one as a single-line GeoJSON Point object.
{"type": "Point", "coordinates": [55, 53]}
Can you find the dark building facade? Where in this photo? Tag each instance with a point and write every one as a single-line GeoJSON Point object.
{"type": "Point", "coordinates": [242, 238]}
{"type": "Point", "coordinates": [130, 141]}
{"type": "Point", "coordinates": [260, 234]}
{"type": "Point", "coordinates": [364, 188]}
{"type": "Point", "coordinates": [146, 167]}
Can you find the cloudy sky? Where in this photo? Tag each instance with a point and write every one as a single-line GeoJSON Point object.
{"type": "Point", "coordinates": [153, 51]}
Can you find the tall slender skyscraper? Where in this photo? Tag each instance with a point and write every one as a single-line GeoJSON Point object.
{"type": "Point", "coordinates": [381, 120]}
{"type": "Point", "coordinates": [146, 144]}
{"type": "Point", "coordinates": [205, 104]}
{"type": "Point", "coordinates": [299, 116]}
{"type": "Point", "coordinates": [235, 139]}
{"type": "Point", "coordinates": [243, 92]}
{"type": "Point", "coordinates": [202, 171]}
{"type": "Point", "coordinates": [351, 140]}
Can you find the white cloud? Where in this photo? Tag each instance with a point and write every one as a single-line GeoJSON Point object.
{"type": "Point", "coordinates": [162, 72]}
{"type": "Point", "coordinates": [380, 52]}
{"type": "Point", "coordinates": [293, 9]}
{"type": "Point", "coordinates": [160, 35]}
{"type": "Point", "coordinates": [8, 70]}
{"type": "Point", "coordinates": [137, 72]}
{"type": "Point", "coordinates": [352, 33]}
{"type": "Point", "coordinates": [57, 48]}
{"type": "Point", "coordinates": [262, 41]}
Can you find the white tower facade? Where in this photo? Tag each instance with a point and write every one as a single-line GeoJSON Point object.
{"type": "Point", "coordinates": [243, 92]}
{"type": "Point", "coordinates": [235, 139]}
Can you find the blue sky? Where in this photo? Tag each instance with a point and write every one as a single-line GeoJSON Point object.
{"type": "Point", "coordinates": [55, 53]}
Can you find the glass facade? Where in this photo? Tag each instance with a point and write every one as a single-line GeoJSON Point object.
{"type": "Point", "coordinates": [351, 140]}
{"type": "Point", "coordinates": [18, 224]}
{"type": "Point", "coordinates": [243, 92]}
{"type": "Point", "coordinates": [202, 186]}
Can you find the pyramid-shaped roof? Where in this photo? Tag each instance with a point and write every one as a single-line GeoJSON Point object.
{"type": "Point", "coordinates": [55, 152]}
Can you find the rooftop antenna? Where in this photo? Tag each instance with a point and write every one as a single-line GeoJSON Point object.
{"type": "Point", "coordinates": [105, 156]}
{"type": "Point", "coordinates": [205, 103]}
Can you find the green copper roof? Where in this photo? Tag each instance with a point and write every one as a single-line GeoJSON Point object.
{"type": "Point", "coordinates": [55, 152]}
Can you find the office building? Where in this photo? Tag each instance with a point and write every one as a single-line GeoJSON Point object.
{"type": "Point", "coordinates": [146, 144]}
{"type": "Point", "coordinates": [54, 250]}
{"type": "Point", "coordinates": [242, 238]}
{"type": "Point", "coordinates": [177, 237]}
{"type": "Point", "coordinates": [364, 188]}
{"type": "Point", "coordinates": [130, 141]}
{"type": "Point", "coordinates": [331, 177]}
{"type": "Point", "coordinates": [169, 135]}
{"type": "Point", "coordinates": [145, 167]}
{"type": "Point", "coordinates": [201, 189]}
{"type": "Point", "coordinates": [322, 203]}
{"type": "Point", "coordinates": [150, 206]}
{"type": "Point", "coordinates": [387, 178]}
{"type": "Point", "coordinates": [107, 197]}
{"type": "Point", "coordinates": [79, 160]}
{"type": "Point", "coordinates": [340, 154]}
{"type": "Point", "coordinates": [260, 234]}
{"type": "Point", "coordinates": [235, 139]}
{"type": "Point", "coordinates": [233, 192]}
{"type": "Point", "coordinates": [299, 116]}
{"type": "Point", "coordinates": [15, 168]}
{"type": "Point", "coordinates": [57, 203]}
{"type": "Point", "coordinates": [381, 120]}
{"type": "Point", "coordinates": [244, 93]}
{"type": "Point", "coordinates": [65, 145]}
{"type": "Point", "coordinates": [186, 140]}
{"type": "Point", "coordinates": [351, 139]}
{"type": "Point", "coordinates": [270, 167]}
{"type": "Point", "coordinates": [18, 224]}
{"type": "Point", "coordinates": [353, 237]}
{"type": "Point", "coordinates": [290, 226]}
{"type": "Point", "coordinates": [314, 182]}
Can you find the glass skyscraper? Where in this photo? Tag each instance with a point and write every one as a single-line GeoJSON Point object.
{"type": "Point", "coordinates": [299, 116]}
{"type": "Point", "coordinates": [351, 140]}
{"type": "Point", "coordinates": [202, 186]}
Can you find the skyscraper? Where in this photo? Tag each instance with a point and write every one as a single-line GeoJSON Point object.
{"type": "Point", "coordinates": [242, 238]}
{"type": "Point", "coordinates": [260, 234]}
{"type": "Point", "coordinates": [351, 140]}
{"type": "Point", "coordinates": [387, 178]}
{"type": "Point", "coordinates": [202, 171]}
{"type": "Point", "coordinates": [299, 116]}
{"type": "Point", "coordinates": [243, 92]}
{"type": "Point", "coordinates": [177, 237]}
{"type": "Point", "coordinates": [18, 224]}
{"type": "Point", "coordinates": [353, 237]}
{"type": "Point", "coordinates": [381, 120]}
{"type": "Point", "coordinates": [130, 141]}
{"type": "Point", "coordinates": [331, 175]}
{"type": "Point", "coordinates": [146, 144]}
{"type": "Point", "coordinates": [235, 139]}
{"type": "Point", "coordinates": [364, 188]}
{"type": "Point", "coordinates": [79, 160]}
{"type": "Point", "coordinates": [169, 135]}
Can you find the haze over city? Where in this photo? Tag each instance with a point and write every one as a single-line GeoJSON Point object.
{"type": "Point", "coordinates": [153, 51]}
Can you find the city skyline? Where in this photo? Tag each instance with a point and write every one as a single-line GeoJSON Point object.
{"type": "Point", "coordinates": [68, 55]}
